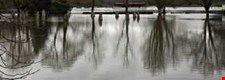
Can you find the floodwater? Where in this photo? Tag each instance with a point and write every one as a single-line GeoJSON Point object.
{"type": "Point", "coordinates": [154, 47]}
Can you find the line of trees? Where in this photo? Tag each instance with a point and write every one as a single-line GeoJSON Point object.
{"type": "Point", "coordinates": [87, 3]}
{"type": "Point", "coordinates": [61, 6]}
{"type": "Point", "coordinates": [175, 3]}
{"type": "Point", "coordinates": [162, 4]}
{"type": "Point", "coordinates": [34, 5]}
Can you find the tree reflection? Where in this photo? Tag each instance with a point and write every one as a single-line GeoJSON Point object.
{"type": "Point", "coordinates": [96, 56]}
{"type": "Point", "coordinates": [160, 46]}
{"type": "Point", "coordinates": [207, 58]}
{"type": "Point", "coordinates": [138, 17]}
{"type": "Point", "coordinates": [127, 34]}
{"type": "Point", "coordinates": [100, 19]}
{"type": "Point", "coordinates": [93, 37]}
{"type": "Point", "coordinates": [39, 37]}
{"type": "Point", "coordinates": [16, 50]}
{"type": "Point", "coordinates": [64, 39]}
{"type": "Point", "coordinates": [59, 55]}
{"type": "Point", "coordinates": [117, 15]}
{"type": "Point", "coordinates": [125, 26]}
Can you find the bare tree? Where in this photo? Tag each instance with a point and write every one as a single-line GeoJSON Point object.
{"type": "Point", "coordinates": [207, 4]}
{"type": "Point", "coordinates": [161, 4]}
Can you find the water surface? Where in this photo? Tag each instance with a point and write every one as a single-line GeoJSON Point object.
{"type": "Point", "coordinates": [175, 47]}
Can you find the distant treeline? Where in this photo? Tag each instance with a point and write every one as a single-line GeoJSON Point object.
{"type": "Point", "coordinates": [32, 6]}
{"type": "Point", "coordinates": [110, 3]}
{"type": "Point", "coordinates": [61, 6]}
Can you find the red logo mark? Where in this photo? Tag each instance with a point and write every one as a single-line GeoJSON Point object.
{"type": "Point", "coordinates": [223, 78]}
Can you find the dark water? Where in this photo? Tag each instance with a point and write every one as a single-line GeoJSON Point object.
{"type": "Point", "coordinates": [175, 47]}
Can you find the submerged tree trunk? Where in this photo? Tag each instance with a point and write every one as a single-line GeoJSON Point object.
{"type": "Point", "coordinates": [207, 4]}
{"type": "Point", "coordinates": [127, 31]}
{"type": "Point", "coordinates": [92, 9]}
{"type": "Point", "coordinates": [207, 11]}
{"type": "Point", "coordinates": [126, 10]}
{"type": "Point", "coordinates": [127, 14]}
{"type": "Point", "coordinates": [93, 20]}
{"type": "Point", "coordinates": [160, 11]}
{"type": "Point", "coordinates": [164, 10]}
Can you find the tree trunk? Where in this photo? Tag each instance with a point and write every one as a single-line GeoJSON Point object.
{"type": "Point", "coordinates": [207, 11]}
{"type": "Point", "coordinates": [93, 5]}
{"type": "Point", "coordinates": [126, 10]}
{"type": "Point", "coordinates": [92, 9]}
{"type": "Point", "coordinates": [164, 10]}
{"type": "Point", "coordinates": [159, 11]}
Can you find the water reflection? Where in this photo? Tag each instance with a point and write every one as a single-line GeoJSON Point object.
{"type": "Point", "coordinates": [134, 16]}
{"type": "Point", "coordinates": [69, 49]}
{"type": "Point", "coordinates": [21, 45]}
{"type": "Point", "coordinates": [138, 17]}
{"type": "Point", "coordinates": [59, 53]}
{"type": "Point", "coordinates": [207, 57]}
{"type": "Point", "coordinates": [160, 46]}
{"type": "Point", "coordinates": [117, 15]}
{"type": "Point", "coordinates": [16, 50]}
{"type": "Point", "coordinates": [125, 26]}
{"type": "Point", "coordinates": [100, 19]}
{"type": "Point", "coordinates": [39, 36]}
{"type": "Point", "coordinates": [126, 57]}
{"type": "Point", "coordinates": [93, 37]}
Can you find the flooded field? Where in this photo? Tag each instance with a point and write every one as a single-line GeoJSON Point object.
{"type": "Point", "coordinates": [149, 47]}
